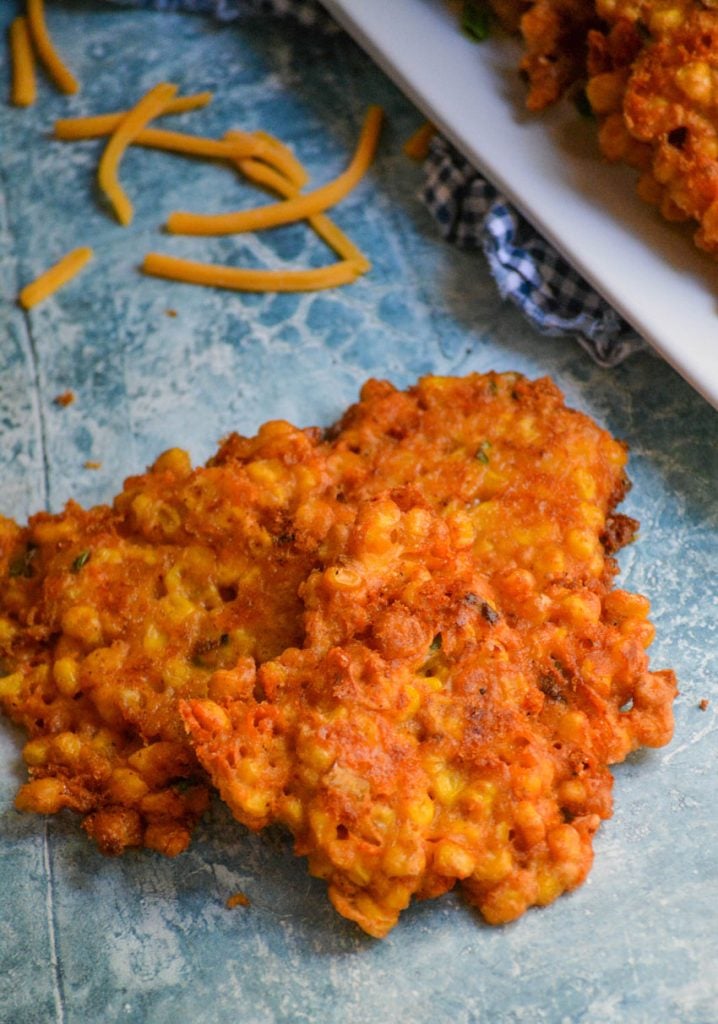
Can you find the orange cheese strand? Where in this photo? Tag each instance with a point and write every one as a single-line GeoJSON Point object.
{"type": "Point", "coordinates": [51, 59]}
{"type": "Point", "coordinates": [243, 279]}
{"type": "Point", "coordinates": [417, 146]}
{"type": "Point", "coordinates": [55, 277]}
{"type": "Point", "coordinates": [127, 130]}
{"type": "Point", "coordinates": [97, 125]}
{"type": "Point", "coordinates": [290, 210]}
{"type": "Point", "coordinates": [197, 145]}
{"type": "Point", "coordinates": [23, 92]}
{"type": "Point", "coordinates": [327, 230]}
{"type": "Point", "coordinates": [281, 157]}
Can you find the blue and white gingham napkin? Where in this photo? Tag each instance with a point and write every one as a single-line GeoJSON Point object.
{"type": "Point", "coordinates": [471, 213]}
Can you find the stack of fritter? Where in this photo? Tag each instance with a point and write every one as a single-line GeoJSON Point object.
{"type": "Point", "coordinates": [650, 68]}
{"type": "Point", "coordinates": [398, 639]}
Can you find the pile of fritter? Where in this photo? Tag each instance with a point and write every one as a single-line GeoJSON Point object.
{"type": "Point", "coordinates": [650, 72]}
{"type": "Point", "coordinates": [398, 638]}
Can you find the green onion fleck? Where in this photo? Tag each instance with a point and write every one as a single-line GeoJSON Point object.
{"type": "Point", "coordinates": [482, 452]}
{"type": "Point", "coordinates": [475, 21]}
{"type": "Point", "coordinates": [22, 564]}
{"type": "Point", "coordinates": [82, 559]}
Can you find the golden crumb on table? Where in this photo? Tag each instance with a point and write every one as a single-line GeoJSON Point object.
{"type": "Point", "coordinates": [399, 638]}
{"type": "Point", "coordinates": [64, 399]}
{"type": "Point", "coordinates": [704, 704]}
{"type": "Point", "coordinates": [238, 899]}
{"type": "Point", "coordinates": [92, 464]}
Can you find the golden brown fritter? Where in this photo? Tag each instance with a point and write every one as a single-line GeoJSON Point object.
{"type": "Point", "coordinates": [555, 39]}
{"type": "Point", "coordinates": [467, 675]}
{"type": "Point", "coordinates": [438, 725]}
{"type": "Point", "coordinates": [108, 615]}
{"type": "Point", "coordinates": [671, 105]}
{"type": "Point", "coordinates": [398, 639]}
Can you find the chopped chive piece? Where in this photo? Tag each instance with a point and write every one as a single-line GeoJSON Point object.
{"type": "Point", "coordinates": [22, 564]}
{"type": "Point", "coordinates": [436, 643]}
{"type": "Point", "coordinates": [482, 452]}
{"type": "Point", "coordinates": [82, 559]}
{"type": "Point", "coordinates": [475, 21]}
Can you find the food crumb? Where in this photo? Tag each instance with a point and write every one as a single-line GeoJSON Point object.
{"type": "Point", "coordinates": [92, 464]}
{"type": "Point", "coordinates": [171, 312]}
{"type": "Point", "coordinates": [237, 900]}
{"type": "Point", "coordinates": [66, 398]}
{"type": "Point", "coordinates": [703, 704]}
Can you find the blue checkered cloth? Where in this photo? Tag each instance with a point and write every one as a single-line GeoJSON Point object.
{"type": "Point", "coordinates": [471, 213]}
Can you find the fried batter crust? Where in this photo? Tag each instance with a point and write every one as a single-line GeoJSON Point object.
{"type": "Point", "coordinates": [108, 615]}
{"type": "Point", "coordinates": [468, 674]}
{"type": "Point", "coordinates": [399, 639]}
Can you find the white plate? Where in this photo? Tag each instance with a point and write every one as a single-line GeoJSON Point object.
{"type": "Point", "coordinates": [549, 166]}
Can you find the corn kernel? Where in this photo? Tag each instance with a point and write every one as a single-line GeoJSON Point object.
{"type": "Point", "coordinates": [43, 796]}
{"type": "Point", "coordinates": [67, 746]}
{"type": "Point", "coordinates": [66, 673]}
{"type": "Point", "coordinates": [292, 812]}
{"type": "Point", "coordinates": [572, 727]}
{"type": "Point", "coordinates": [257, 802]}
{"type": "Point", "coordinates": [453, 860]}
{"type": "Point", "coordinates": [529, 822]}
{"type": "Point", "coordinates": [126, 787]}
{"type": "Point", "coordinates": [7, 631]}
{"type": "Point", "coordinates": [421, 811]}
{"type": "Point", "coordinates": [582, 609]}
{"type": "Point", "coordinates": [10, 686]}
{"type": "Point", "coordinates": [36, 752]}
{"type": "Point", "coordinates": [175, 461]}
{"type": "Point", "coordinates": [581, 543]}
{"type": "Point", "coordinates": [695, 79]}
{"type": "Point", "coordinates": [549, 887]}
{"type": "Point", "coordinates": [572, 793]}
{"type": "Point", "coordinates": [564, 843]}
{"type": "Point", "coordinates": [82, 622]}
{"type": "Point", "coordinates": [493, 865]}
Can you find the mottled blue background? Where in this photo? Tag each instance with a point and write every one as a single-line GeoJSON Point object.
{"type": "Point", "coordinates": [83, 938]}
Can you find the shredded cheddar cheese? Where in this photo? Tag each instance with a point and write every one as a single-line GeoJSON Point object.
{"type": "Point", "coordinates": [94, 127]}
{"type": "Point", "coordinates": [55, 277]}
{"type": "Point", "coordinates": [417, 146]}
{"type": "Point", "coordinates": [24, 89]}
{"type": "Point", "coordinates": [127, 130]}
{"type": "Point", "coordinates": [281, 157]}
{"type": "Point", "coordinates": [247, 280]}
{"type": "Point", "coordinates": [51, 59]}
{"type": "Point", "coordinates": [327, 230]}
{"type": "Point", "coordinates": [289, 210]}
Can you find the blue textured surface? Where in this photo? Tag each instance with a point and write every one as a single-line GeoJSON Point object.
{"type": "Point", "coordinates": [145, 939]}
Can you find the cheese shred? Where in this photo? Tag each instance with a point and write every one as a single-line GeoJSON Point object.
{"type": "Point", "coordinates": [260, 174]}
{"type": "Point", "coordinates": [281, 157]}
{"type": "Point", "coordinates": [51, 59]}
{"type": "Point", "coordinates": [23, 92]}
{"type": "Point", "coordinates": [71, 129]}
{"type": "Point", "coordinates": [55, 277]}
{"type": "Point", "coordinates": [127, 130]}
{"type": "Point", "coordinates": [297, 208]}
{"type": "Point", "coordinates": [247, 280]}
{"type": "Point", "coordinates": [417, 145]}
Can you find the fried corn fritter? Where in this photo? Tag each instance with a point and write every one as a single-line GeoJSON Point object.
{"type": "Point", "coordinates": [555, 34]}
{"type": "Point", "coordinates": [399, 639]}
{"type": "Point", "coordinates": [650, 70]}
{"type": "Point", "coordinates": [108, 615]}
{"type": "Point", "coordinates": [468, 673]}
